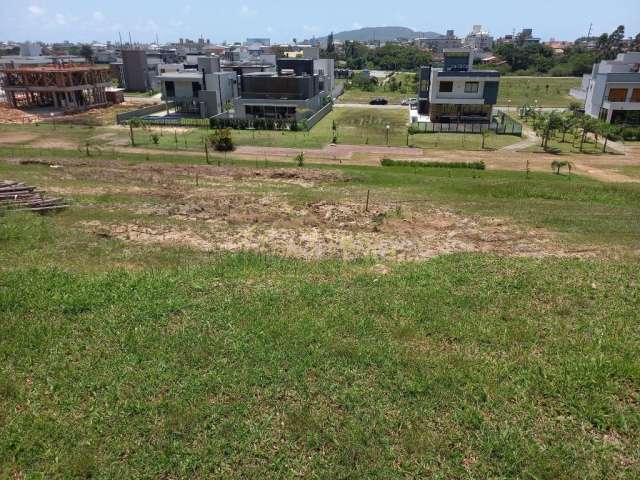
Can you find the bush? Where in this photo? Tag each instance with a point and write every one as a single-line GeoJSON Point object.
{"type": "Point", "coordinates": [222, 141]}
{"type": "Point", "coordinates": [299, 159]}
{"type": "Point", "coordinates": [630, 134]}
{"type": "Point", "coordinates": [155, 138]}
{"type": "Point", "coordinates": [386, 162]}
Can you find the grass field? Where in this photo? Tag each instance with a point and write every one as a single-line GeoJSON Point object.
{"type": "Point", "coordinates": [548, 91]}
{"type": "Point", "coordinates": [407, 89]}
{"type": "Point", "coordinates": [122, 359]}
{"type": "Point", "coordinates": [520, 90]}
{"type": "Point", "coordinates": [571, 145]}
{"type": "Point", "coordinates": [355, 127]}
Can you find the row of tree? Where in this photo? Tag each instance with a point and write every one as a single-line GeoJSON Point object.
{"type": "Point", "coordinates": [577, 60]}
{"type": "Point", "coordinates": [548, 125]}
{"type": "Point", "coordinates": [358, 56]}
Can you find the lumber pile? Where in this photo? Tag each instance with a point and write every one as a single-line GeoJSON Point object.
{"type": "Point", "coordinates": [19, 196]}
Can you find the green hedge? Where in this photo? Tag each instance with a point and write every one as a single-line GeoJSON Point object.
{"type": "Point", "coordinates": [631, 134]}
{"type": "Point", "coordinates": [385, 162]}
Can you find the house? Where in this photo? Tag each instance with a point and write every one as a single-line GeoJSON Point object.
{"type": "Point", "coordinates": [456, 92]}
{"type": "Point", "coordinates": [205, 91]}
{"type": "Point", "coordinates": [294, 92]}
{"type": "Point", "coordinates": [612, 91]}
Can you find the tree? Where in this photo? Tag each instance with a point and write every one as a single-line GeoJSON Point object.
{"type": "Point", "coordinates": [608, 132]}
{"type": "Point", "coordinates": [545, 125]}
{"type": "Point", "coordinates": [87, 52]}
{"type": "Point", "coordinates": [299, 159]}
{"type": "Point", "coordinates": [221, 140]}
{"type": "Point", "coordinates": [567, 122]}
{"type": "Point", "coordinates": [588, 125]}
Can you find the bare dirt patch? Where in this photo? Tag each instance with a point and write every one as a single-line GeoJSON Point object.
{"type": "Point", "coordinates": [9, 138]}
{"type": "Point", "coordinates": [323, 230]}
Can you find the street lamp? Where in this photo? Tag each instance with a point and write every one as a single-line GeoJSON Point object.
{"type": "Point", "coordinates": [508, 106]}
{"type": "Point", "coordinates": [53, 119]}
{"type": "Point", "coordinates": [388, 128]}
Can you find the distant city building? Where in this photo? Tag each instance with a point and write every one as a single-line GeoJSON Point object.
{"type": "Point", "coordinates": [612, 91]}
{"type": "Point", "coordinates": [265, 42]}
{"type": "Point", "coordinates": [525, 37]}
{"type": "Point", "coordinates": [440, 43]}
{"type": "Point", "coordinates": [479, 40]}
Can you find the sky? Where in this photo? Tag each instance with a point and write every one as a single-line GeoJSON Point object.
{"type": "Point", "coordinates": [283, 20]}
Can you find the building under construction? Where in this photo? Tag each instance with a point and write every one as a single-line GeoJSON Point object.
{"type": "Point", "coordinates": [67, 87]}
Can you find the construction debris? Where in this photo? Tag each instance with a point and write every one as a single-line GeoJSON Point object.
{"type": "Point", "coordinates": [19, 196]}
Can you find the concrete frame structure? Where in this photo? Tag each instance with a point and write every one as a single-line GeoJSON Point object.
{"type": "Point", "coordinates": [612, 91]}
{"type": "Point", "coordinates": [457, 93]}
{"type": "Point", "coordinates": [439, 44]}
{"type": "Point", "coordinates": [68, 87]}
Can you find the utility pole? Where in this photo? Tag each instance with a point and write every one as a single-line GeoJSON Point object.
{"type": "Point", "coordinates": [590, 28]}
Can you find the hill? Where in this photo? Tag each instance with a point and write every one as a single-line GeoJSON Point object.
{"type": "Point", "coordinates": [379, 33]}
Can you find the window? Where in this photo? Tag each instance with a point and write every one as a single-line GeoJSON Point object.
{"type": "Point", "coordinates": [170, 89]}
{"type": "Point", "coordinates": [471, 87]}
{"type": "Point", "coordinates": [446, 87]}
{"type": "Point", "coordinates": [617, 94]}
{"type": "Point", "coordinates": [635, 95]}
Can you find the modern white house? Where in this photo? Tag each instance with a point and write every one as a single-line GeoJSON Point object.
{"type": "Point", "coordinates": [457, 93]}
{"type": "Point", "coordinates": [612, 91]}
{"type": "Point", "coordinates": [205, 91]}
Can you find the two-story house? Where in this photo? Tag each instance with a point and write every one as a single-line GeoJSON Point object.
{"type": "Point", "coordinates": [457, 93]}
{"type": "Point", "coordinates": [612, 91]}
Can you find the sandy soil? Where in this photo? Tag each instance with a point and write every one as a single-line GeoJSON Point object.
{"type": "Point", "coordinates": [246, 209]}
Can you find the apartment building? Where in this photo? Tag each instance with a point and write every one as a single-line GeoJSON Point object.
{"type": "Point", "coordinates": [456, 93]}
{"type": "Point", "coordinates": [479, 40]}
{"type": "Point", "coordinates": [439, 44]}
{"type": "Point", "coordinates": [612, 91]}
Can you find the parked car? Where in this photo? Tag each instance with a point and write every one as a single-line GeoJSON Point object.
{"type": "Point", "coordinates": [379, 101]}
{"type": "Point", "coordinates": [409, 101]}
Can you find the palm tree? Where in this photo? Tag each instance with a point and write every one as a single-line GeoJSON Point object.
{"type": "Point", "coordinates": [567, 122]}
{"type": "Point", "coordinates": [607, 131]}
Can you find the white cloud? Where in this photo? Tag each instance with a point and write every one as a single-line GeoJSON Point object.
{"type": "Point", "coordinates": [248, 11]}
{"type": "Point", "coordinates": [36, 10]}
{"type": "Point", "coordinates": [356, 26]}
{"type": "Point", "coordinates": [98, 16]}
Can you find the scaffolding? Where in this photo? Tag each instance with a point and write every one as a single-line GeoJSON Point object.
{"type": "Point", "coordinates": [68, 87]}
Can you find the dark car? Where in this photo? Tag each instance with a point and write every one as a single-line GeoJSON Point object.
{"type": "Point", "coordinates": [379, 101]}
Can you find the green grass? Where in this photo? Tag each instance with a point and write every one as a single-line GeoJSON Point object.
{"type": "Point", "coordinates": [571, 146]}
{"type": "Point", "coordinates": [526, 90]}
{"type": "Point", "coordinates": [407, 90]}
{"type": "Point", "coordinates": [356, 126]}
{"type": "Point", "coordinates": [466, 366]}
{"type": "Point", "coordinates": [123, 360]}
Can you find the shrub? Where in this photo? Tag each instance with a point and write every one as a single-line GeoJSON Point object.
{"type": "Point", "coordinates": [386, 162]}
{"type": "Point", "coordinates": [630, 134]}
{"type": "Point", "coordinates": [155, 138]}
{"type": "Point", "coordinates": [222, 140]}
{"type": "Point", "coordinates": [299, 159]}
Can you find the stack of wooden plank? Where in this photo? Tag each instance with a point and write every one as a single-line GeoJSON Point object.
{"type": "Point", "coordinates": [19, 196]}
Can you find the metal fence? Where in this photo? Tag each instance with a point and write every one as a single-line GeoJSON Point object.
{"type": "Point", "coordinates": [313, 120]}
{"type": "Point", "coordinates": [501, 124]}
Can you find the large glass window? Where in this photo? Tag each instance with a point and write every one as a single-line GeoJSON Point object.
{"type": "Point", "coordinates": [170, 88]}
{"type": "Point", "coordinates": [471, 87]}
{"type": "Point", "coordinates": [635, 95]}
{"type": "Point", "coordinates": [446, 87]}
{"type": "Point", "coordinates": [617, 94]}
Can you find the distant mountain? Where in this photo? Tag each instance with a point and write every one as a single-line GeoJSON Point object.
{"type": "Point", "coordinates": [384, 34]}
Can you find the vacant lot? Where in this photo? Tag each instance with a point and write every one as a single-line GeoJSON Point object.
{"type": "Point", "coordinates": [193, 321]}
{"type": "Point", "coordinates": [406, 88]}
{"type": "Point", "coordinates": [547, 91]}
{"type": "Point", "coordinates": [354, 126]}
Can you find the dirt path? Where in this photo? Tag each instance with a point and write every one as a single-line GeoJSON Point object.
{"type": "Point", "coordinates": [529, 140]}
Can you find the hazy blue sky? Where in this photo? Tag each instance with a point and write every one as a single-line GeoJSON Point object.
{"type": "Point", "coordinates": [282, 20]}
